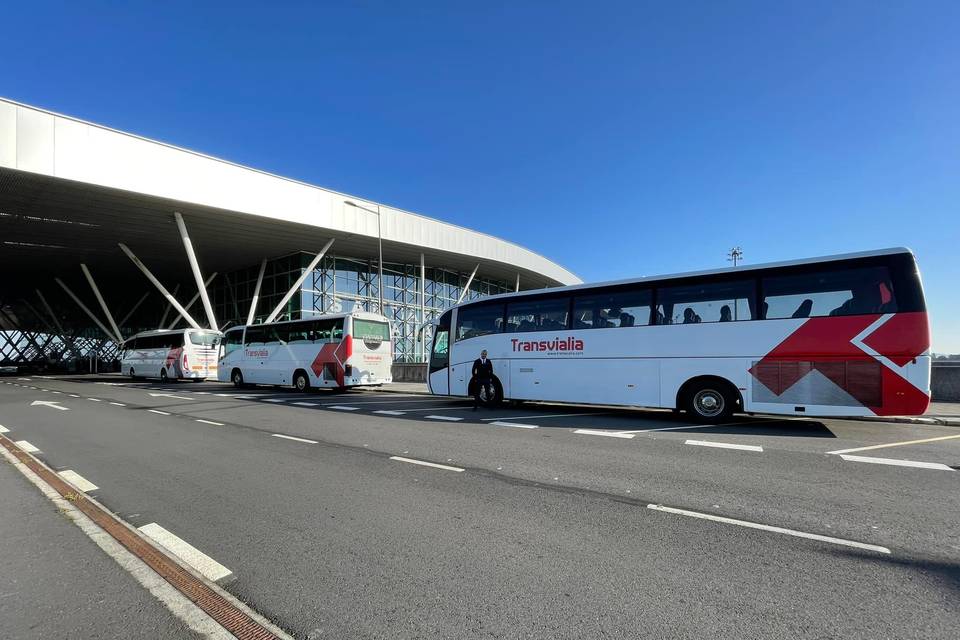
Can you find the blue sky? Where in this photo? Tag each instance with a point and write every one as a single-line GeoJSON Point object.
{"type": "Point", "coordinates": [615, 138]}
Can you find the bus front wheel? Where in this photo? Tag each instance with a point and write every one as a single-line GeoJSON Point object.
{"type": "Point", "coordinates": [163, 375]}
{"type": "Point", "coordinates": [236, 378]}
{"type": "Point", "coordinates": [709, 401]}
{"type": "Point", "coordinates": [301, 382]}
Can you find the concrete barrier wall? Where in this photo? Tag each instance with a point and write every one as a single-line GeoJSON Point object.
{"type": "Point", "coordinates": [406, 372]}
{"type": "Point", "coordinates": [945, 383]}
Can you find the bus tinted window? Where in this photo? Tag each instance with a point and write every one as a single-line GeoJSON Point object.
{"type": "Point", "coordinates": [255, 335]}
{"type": "Point", "coordinates": [232, 340]}
{"type": "Point", "coordinates": [707, 302]}
{"type": "Point", "coordinates": [299, 332]}
{"type": "Point", "coordinates": [544, 314]}
{"type": "Point", "coordinates": [370, 330]}
{"type": "Point", "coordinates": [837, 292]}
{"type": "Point", "coordinates": [479, 320]}
{"type": "Point", "coordinates": [610, 310]}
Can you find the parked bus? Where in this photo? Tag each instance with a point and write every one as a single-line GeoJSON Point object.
{"type": "Point", "coordinates": [834, 336]}
{"type": "Point", "coordinates": [338, 351]}
{"type": "Point", "coordinates": [190, 354]}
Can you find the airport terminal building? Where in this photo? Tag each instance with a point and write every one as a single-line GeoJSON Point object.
{"type": "Point", "coordinates": [99, 229]}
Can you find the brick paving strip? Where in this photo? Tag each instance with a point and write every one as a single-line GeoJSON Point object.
{"type": "Point", "coordinates": [215, 605]}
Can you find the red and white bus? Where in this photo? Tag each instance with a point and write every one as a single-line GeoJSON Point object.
{"type": "Point", "coordinates": [841, 335]}
{"type": "Point", "coordinates": [336, 350]}
{"type": "Point", "coordinates": [189, 354]}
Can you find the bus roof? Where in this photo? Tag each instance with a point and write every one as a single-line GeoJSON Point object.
{"type": "Point", "coordinates": [707, 272]}
{"type": "Point", "coordinates": [325, 316]}
{"type": "Point", "coordinates": [159, 332]}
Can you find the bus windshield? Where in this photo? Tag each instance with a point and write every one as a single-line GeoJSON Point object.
{"type": "Point", "coordinates": [370, 330]}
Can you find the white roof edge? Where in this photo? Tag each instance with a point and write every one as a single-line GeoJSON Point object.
{"type": "Point", "coordinates": [279, 177]}
{"type": "Point", "coordinates": [708, 272]}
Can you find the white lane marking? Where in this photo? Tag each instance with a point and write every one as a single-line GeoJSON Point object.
{"type": "Point", "coordinates": [609, 434]}
{"type": "Point", "coordinates": [26, 446]}
{"type": "Point", "coordinates": [306, 404]}
{"type": "Point", "coordinates": [226, 395]}
{"type": "Point", "coordinates": [245, 397]}
{"type": "Point", "coordinates": [53, 404]}
{"type": "Point", "coordinates": [162, 413]}
{"type": "Point", "coordinates": [340, 407]}
{"type": "Point", "coordinates": [77, 480]}
{"type": "Point", "coordinates": [59, 393]}
{"type": "Point", "coordinates": [766, 527]}
{"type": "Point", "coordinates": [94, 399]}
{"type": "Point", "coordinates": [898, 463]}
{"type": "Point", "coordinates": [202, 393]}
{"type": "Point", "coordinates": [426, 464]}
{"type": "Point", "coordinates": [710, 426]}
{"type": "Point", "coordinates": [73, 395]}
{"type": "Point", "coordinates": [501, 423]}
{"type": "Point", "coordinates": [201, 562]}
{"type": "Point", "coordinates": [118, 404]}
{"type": "Point", "coordinates": [724, 445]}
{"type": "Point", "coordinates": [3, 429]}
{"type": "Point", "coordinates": [389, 413]}
{"type": "Point", "coordinates": [167, 395]}
{"type": "Point", "coordinates": [280, 435]}
{"type": "Point", "coordinates": [219, 424]}
{"type": "Point", "coordinates": [448, 418]}
{"type": "Point", "coordinates": [275, 399]}
{"type": "Point", "coordinates": [550, 415]}
{"type": "Point", "coordinates": [894, 444]}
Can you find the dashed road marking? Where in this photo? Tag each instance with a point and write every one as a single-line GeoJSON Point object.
{"type": "Point", "coordinates": [26, 446]}
{"type": "Point", "coordinates": [73, 395]}
{"type": "Point", "coordinates": [201, 562]}
{"type": "Point", "coordinates": [340, 407]}
{"type": "Point", "coordinates": [118, 404]}
{"type": "Point", "coordinates": [894, 444]}
{"type": "Point", "coordinates": [772, 529]}
{"type": "Point", "coordinates": [609, 434]}
{"type": "Point", "coordinates": [447, 418]}
{"type": "Point", "coordinates": [3, 429]}
{"type": "Point", "coordinates": [387, 412]}
{"type": "Point", "coordinates": [77, 480]}
{"type": "Point", "coordinates": [501, 423]}
{"type": "Point", "coordinates": [724, 445]}
{"type": "Point", "coordinates": [219, 424]}
{"type": "Point", "coordinates": [94, 399]}
{"type": "Point", "coordinates": [424, 463]}
{"type": "Point", "coordinates": [898, 463]}
{"type": "Point", "coordinates": [295, 438]}
{"type": "Point", "coordinates": [276, 399]}
{"type": "Point", "coordinates": [307, 404]}
{"type": "Point", "coordinates": [162, 413]}
{"type": "Point", "coordinates": [547, 416]}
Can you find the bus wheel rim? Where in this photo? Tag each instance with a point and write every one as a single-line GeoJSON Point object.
{"type": "Point", "coordinates": [708, 403]}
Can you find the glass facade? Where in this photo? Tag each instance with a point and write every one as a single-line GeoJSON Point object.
{"type": "Point", "coordinates": [339, 282]}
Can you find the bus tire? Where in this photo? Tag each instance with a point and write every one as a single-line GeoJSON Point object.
{"type": "Point", "coordinates": [709, 400]}
{"type": "Point", "coordinates": [236, 377]}
{"type": "Point", "coordinates": [133, 376]}
{"type": "Point", "coordinates": [163, 375]}
{"type": "Point", "coordinates": [301, 381]}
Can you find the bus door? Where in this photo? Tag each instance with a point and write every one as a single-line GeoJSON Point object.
{"type": "Point", "coordinates": [440, 356]}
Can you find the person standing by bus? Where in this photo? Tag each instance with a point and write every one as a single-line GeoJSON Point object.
{"type": "Point", "coordinates": [483, 377]}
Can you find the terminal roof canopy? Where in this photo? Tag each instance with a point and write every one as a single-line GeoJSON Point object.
{"type": "Point", "coordinates": [70, 191]}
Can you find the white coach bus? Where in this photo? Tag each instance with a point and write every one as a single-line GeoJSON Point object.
{"type": "Point", "coordinates": [336, 350]}
{"type": "Point", "coordinates": [835, 336]}
{"type": "Point", "coordinates": [190, 354]}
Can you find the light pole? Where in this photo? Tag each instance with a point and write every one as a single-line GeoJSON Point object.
{"type": "Point", "coordinates": [379, 249]}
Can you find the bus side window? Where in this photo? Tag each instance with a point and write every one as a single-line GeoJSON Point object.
{"type": "Point", "coordinates": [337, 330]}
{"type": "Point", "coordinates": [835, 292]}
{"type": "Point", "coordinates": [254, 335]}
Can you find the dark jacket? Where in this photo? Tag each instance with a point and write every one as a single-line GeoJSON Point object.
{"type": "Point", "coordinates": [482, 371]}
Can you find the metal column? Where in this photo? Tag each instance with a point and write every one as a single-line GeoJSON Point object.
{"type": "Point", "coordinates": [423, 314]}
{"type": "Point", "coordinates": [256, 292]}
{"type": "Point", "coordinates": [195, 267]}
{"type": "Point", "coordinates": [163, 290]}
{"type": "Point", "coordinates": [189, 304]}
{"type": "Point", "coordinates": [85, 309]}
{"type": "Point", "coordinates": [103, 303]}
{"type": "Point", "coordinates": [466, 287]}
{"type": "Point", "coordinates": [296, 285]}
{"type": "Point", "coordinates": [517, 288]}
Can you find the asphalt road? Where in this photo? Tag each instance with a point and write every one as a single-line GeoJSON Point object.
{"type": "Point", "coordinates": [551, 529]}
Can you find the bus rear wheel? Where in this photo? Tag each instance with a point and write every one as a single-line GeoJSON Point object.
{"type": "Point", "coordinates": [709, 401]}
{"type": "Point", "coordinates": [163, 375]}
